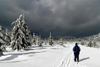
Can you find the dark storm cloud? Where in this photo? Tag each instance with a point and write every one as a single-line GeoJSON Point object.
{"type": "Point", "coordinates": [61, 17]}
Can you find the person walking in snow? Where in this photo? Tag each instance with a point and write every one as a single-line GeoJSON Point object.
{"type": "Point", "coordinates": [76, 50]}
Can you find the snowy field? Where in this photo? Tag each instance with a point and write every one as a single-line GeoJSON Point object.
{"type": "Point", "coordinates": [47, 56]}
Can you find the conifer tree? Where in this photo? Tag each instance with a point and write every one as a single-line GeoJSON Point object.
{"type": "Point", "coordinates": [50, 40]}
{"type": "Point", "coordinates": [30, 39]}
{"type": "Point", "coordinates": [45, 42]}
{"type": "Point", "coordinates": [7, 38]}
{"type": "Point", "coordinates": [2, 40]}
{"type": "Point", "coordinates": [20, 37]}
{"type": "Point", "coordinates": [34, 39]}
{"type": "Point", "coordinates": [39, 41]}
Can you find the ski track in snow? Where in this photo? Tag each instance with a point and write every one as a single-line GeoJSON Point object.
{"type": "Point", "coordinates": [68, 61]}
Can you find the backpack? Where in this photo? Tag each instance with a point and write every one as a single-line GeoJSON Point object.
{"type": "Point", "coordinates": [76, 49]}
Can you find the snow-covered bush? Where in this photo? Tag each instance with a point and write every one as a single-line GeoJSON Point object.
{"type": "Point", "coordinates": [82, 43]}
{"type": "Point", "coordinates": [20, 36]}
{"type": "Point", "coordinates": [95, 44]}
{"type": "Point", "coordinates": [39, 42]}
{"type": "Point", "coordinates": [61, 42]}
{"type": "Point", "coordinates": [90, 44]}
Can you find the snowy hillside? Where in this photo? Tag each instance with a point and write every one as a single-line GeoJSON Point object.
{"type": "Point", "coordinates": [47, 56]}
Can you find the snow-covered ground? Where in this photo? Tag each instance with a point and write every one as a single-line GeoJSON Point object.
{"type": "Point", "coordinates": [47, 56]}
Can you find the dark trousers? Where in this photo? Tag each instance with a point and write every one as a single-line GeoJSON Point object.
{"type": "Point", "coordinates": [76, 56]}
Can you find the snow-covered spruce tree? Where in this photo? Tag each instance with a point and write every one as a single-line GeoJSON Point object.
{"type": "Point", "coordinates": [50, 40]}
{"type": "Point", "coordinates": [45, 42]}
{"type": "Point", "coordinates": [7, 38]}
{"type": "Point", "coordinates": [34, 39]}
{"type": "Point", "coordinates": [2, 40]}
{"type": "Point", "coordinates": [30, 39]}
{"type": "Point", "coordinates": [20, 36]}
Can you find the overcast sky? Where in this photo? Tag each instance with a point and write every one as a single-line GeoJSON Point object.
{"type": "Point", "coordinates": [61, 17]}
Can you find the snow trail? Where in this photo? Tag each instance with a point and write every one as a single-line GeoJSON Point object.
{"type": "Point", "coordinates": [68, 60]}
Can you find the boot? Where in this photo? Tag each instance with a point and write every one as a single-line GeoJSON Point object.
{"type": "Point", "coordinates": [75, 60]}
{"type": "Point", "coordinates": [78, 59]}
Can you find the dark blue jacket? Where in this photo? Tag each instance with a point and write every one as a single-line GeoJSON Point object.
{"type": "Point", "coordinates": [78, 47]}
